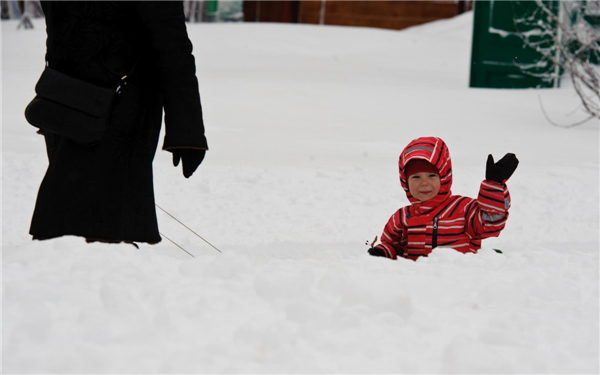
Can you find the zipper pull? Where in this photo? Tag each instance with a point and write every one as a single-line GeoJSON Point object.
{"type": "Point", "coordinates": [434, 234]}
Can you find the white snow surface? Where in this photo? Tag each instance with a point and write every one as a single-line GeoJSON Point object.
{"type": "Point", "coordinates": [305, 125]}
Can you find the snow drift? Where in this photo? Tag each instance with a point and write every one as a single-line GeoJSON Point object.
{"type": "Point", "coordinates": [305, 124]}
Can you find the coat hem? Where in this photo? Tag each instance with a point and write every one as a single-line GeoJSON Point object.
{"type": "Point", "coordinates": [98, 239]}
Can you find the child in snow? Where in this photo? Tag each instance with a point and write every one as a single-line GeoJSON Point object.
{"type": "Point", "coordinates": [435, 216]}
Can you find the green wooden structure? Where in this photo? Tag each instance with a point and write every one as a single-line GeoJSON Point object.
{"type": "Point", "coordinates": [498, 49]}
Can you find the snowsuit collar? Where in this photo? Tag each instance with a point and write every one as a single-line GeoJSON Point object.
{"type": "Point", "coordinates": [435, 151]}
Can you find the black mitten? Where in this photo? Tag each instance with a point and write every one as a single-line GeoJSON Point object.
{"type": "Point", "coordinates": [501, 170]}
{"type": "Point", "coordinates": [377, 252]}
{"type": "Point", "coordinates": [190, 157]}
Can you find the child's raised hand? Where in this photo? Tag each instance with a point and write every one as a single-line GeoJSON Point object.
{"type": "Point", "coordinates": [501, 170]}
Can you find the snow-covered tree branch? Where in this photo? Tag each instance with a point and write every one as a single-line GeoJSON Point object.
{"type": "Point", "coordinates": [568, 39]}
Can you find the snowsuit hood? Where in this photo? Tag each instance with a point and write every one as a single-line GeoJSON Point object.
{"type": "Point", "coordinates": [434, 151]}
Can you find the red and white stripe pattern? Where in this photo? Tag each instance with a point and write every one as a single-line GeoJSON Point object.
{"type": "Point", "coordinates": [451, 221]}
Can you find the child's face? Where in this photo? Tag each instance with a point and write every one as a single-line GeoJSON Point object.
{"type": "Point", "coordinates": [424, 185]}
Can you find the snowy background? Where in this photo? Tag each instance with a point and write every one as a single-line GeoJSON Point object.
{"type": "Point", "coordinates": [305, 125]}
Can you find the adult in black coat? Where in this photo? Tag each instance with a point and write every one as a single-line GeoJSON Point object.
{"type": "Point", "coordinates": [105, 192]}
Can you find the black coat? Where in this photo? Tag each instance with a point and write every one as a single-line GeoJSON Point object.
{"type": "Point", "coordinates": [105, 192]}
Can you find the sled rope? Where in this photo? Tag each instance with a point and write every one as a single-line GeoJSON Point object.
{"type": "Point", "coordinates": [162, 234]}
{"type": "Point", "coordinates": [188, 228]}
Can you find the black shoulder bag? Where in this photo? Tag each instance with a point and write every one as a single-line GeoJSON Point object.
{"type": "Point", "coordinates": [71, 107]}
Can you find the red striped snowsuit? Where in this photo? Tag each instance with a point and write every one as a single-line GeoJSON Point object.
{"type": "Point", "coordinates": [446, 220]}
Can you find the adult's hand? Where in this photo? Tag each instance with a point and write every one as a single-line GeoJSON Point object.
{"type": "Point", "coordinates": [190, 158]}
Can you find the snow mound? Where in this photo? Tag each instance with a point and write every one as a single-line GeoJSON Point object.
{"type": "Point", "coordinates": [305, 125]}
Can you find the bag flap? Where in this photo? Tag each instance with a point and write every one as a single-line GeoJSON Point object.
{"type": "Point", "coordinates": [56, 118]}
{"type": "Point", "coordinates": [75, 93]}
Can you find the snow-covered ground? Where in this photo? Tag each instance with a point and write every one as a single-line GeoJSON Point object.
{"type": "Point", "coordinates": [305, 125]}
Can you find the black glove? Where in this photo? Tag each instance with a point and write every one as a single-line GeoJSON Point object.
{"type": "Point", "coordinates": [191, 158]}
{"type": "Point", "coordinates": [377, 252]}
{"type": "Point", "coordinates": [501, 170]}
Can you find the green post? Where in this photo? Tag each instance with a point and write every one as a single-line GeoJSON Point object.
{"type": "Point", "coordinates": [212, 10]}
{"type": "Point", "coordinates": [213, 6]}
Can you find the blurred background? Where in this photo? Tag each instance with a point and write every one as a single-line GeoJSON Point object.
{"type": "Point", "coordinates": [516, 44]}
{"type": "Point", "coordinates": [385, 14]}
